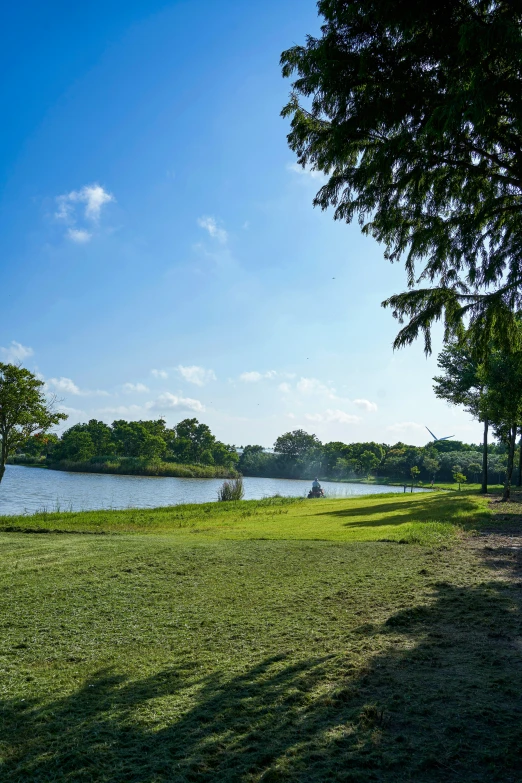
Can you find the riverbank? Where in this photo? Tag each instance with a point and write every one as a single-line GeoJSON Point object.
{"type": "Point", "coordinates": [445, 485]}
{"type": "Point", "coordinates": [431, 518]}
{"type": "Point", "coordinates": [140, 467]}
{"type": "Point", "coordinates": [191, 653]}
{"type": "Point", "coordinates": [26, 490]}
{"type": "Point", "coordinates": [128, 466]}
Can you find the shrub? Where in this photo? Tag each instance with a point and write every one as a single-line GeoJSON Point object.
{"type": "Point", "coordinates": [232, 490]}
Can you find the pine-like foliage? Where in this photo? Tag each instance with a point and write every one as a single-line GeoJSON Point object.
{"type": "Point", "coordinates": [414, 111]}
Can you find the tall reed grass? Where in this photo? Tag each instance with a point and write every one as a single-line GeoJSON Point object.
{"type": "Point", "coordinates": [232, 490]}
{"type": "Point", "coordinates": [130, 466]}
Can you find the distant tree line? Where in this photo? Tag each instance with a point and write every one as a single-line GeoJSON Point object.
{"type": "Point", "coordinates": [298, 454]}
{"type": "Point", "coordinates": [188, 443]}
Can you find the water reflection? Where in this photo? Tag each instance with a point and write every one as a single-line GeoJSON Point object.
{"type": "Point", "coordinates": [27, 490]}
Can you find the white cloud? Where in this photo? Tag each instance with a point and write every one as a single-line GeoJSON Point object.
{"type": "Point", "coordinates": [366, 405]}
{"type": "Point", "coordinates": [306, 172]}
{"type": "Point", "coordinates": [159, 373]}
{"type": "Point", "coordinates": [196, 375]}
{"type": "Point", "coordinates": [16, 352]}
{"type": "Point", "coordinates": [405, 427]}
{"type": "Point", "coordinates": [79, 235]}
{"type": "Point", "coordinates": [341, 417]}
{"type": "Point", "coordinates": [92, 196]}
{"type": "Point", "coordinates": [67, 386]}
{"type": "Point", "coordinates": [254, 376]}
{"type": "Point", "coordinates": [209, 223]}
{"type": "Point", "coordinates": [168, 401]}
{"type": "Point", "coordinates": [128, 388]}
{"type": "Point", "coordinates": [314, 386]}
{"type": "Point", "coordinates": [285, 388]}
{"type": "Point", "coordinates": [79, 206]}
{"type": "Point", "coordinates": [250, 377]}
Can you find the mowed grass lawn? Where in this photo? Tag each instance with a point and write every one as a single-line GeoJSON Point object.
{"type": "Point", "coordinates": [269, 641]}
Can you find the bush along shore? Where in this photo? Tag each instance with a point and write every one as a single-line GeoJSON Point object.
{"type": "Point", "coordinates": [137, 466]}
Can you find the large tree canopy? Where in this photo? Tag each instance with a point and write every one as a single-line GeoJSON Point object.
{"type": "Point", "coordinates": [24, 409]}
{"type": "Point", "coordinates": [414, 111]}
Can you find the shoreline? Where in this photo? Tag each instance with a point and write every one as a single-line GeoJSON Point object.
{"type": "Point", "coordinates": [134, 468]}
{"type": "Point", "coordinates": [179, 470]}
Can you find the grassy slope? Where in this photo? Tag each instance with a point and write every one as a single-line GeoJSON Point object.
{"type": "Point", "coordinates": [184, 656]}
{"type": "Point", "coordinates": [421, 518]}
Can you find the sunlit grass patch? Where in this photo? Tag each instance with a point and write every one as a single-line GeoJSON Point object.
{"type": "Point", "coordinates": [409, 517]}
{"type": "Point", "coordinates": [426, 533]}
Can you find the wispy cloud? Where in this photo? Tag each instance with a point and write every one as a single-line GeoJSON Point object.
{"type": "Point", "coordinates": [168, 402]}
{"type": "Point", "coordinates": [306, 172]}
{"type": "Point", "coordinates": [366, 405]}
{"type": "Point", "coordinates": [255, 377]}
{"type": "Point", "coordinates": [285, 388]}
{"type": "Point", "coordinates": [210, 224]}
{"type": "Point", "coordinates": [197, 375]}
{"type": "Point", "coordinates": [79, 235]}
{"type": "Point", "coordinates": [309, 386]}
{"type": "Point", "coordinates": [91, 197]}
{"type": "Point", "coordinates": [15, 352]}
{"type": "Point", "coordinates": [82, 206]}
{"type": "Point", "coordinates": [165, 403]}
{"type": "Point", "coordinates": [67, 386]}
{"type": "Point", "coordinates": [129, 388]}
{"type": "Point", "coordinates": [159, 374]}
{"type": "Point", "coordinates": [341, 417]}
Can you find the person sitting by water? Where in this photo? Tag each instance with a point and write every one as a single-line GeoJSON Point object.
{"type": "Point", "coordinates": [315, 483]}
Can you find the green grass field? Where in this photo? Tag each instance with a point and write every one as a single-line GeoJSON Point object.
{"type": "Point", "coordinates": [421, 518]}
{"type": "Point", "coordinates": [262, 641]}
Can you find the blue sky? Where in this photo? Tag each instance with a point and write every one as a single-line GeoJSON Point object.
{"type": "Point", "coordinates": [161, 255]}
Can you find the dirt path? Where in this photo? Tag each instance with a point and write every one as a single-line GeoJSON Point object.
{"type": "Point", "coordinates": [501, 544]}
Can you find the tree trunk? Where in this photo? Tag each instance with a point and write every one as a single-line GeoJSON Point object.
{"type": "Point", "coordinates": [3, 455]}
{"type": "Point", "coordinates": [510, 462]}
{"type": "Point", "coordinates": [484, 487]}
{"type": "Point", "coordinates": [519, 477]}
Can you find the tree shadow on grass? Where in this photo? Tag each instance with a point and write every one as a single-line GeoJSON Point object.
{"type": "Point", "coordinates": [459, 509]}
{"type": "Point", "coordinates": [437, 700]}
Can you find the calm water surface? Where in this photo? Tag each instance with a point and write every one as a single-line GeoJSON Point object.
{"type": "Point", "coordinates": [27, 490]}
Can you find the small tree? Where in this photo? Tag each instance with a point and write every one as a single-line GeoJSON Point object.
{"type": "Point", "coordinates": [462, 384]}
{"type": "Point", "coordinates": [414, 471]}
{"type": "Point", "coordinates": [459, 478]}
{"type": "Point", "coordinates": [24, 409]}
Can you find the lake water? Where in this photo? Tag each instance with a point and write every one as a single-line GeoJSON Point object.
{"type": "Point", "coordinates": [27, 490]}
